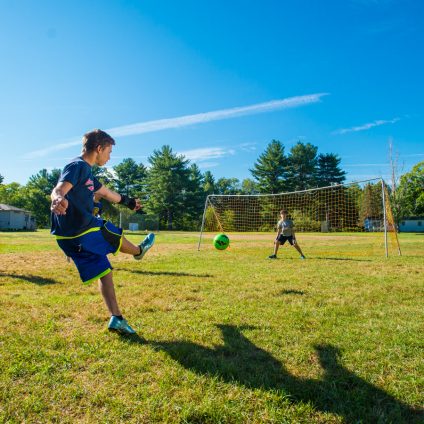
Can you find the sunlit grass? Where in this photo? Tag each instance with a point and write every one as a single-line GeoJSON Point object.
{"type": "Point", "coordinates": [224, 337]}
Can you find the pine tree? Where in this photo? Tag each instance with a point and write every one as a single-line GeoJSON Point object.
{"type": "Point", "coordinates": [130, 178]}
{"type": "Point", "coordinates": [270, 169]}
{"type": "Point", "coordinates": [194, 200]}
{"type": "Point", "coordinates": [208, 183]}
{"type": "Point", "coordinates": [167, 183]}
{"type": "Point", "coordinates": [302, 167]}
{"type": "Point", "coordinates": [329, 171]}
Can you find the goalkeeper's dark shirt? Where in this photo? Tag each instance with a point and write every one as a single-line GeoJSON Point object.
{"type": "Point", "coordinates": [79, 215]}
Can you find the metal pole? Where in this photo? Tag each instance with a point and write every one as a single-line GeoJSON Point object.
{"type": "Point", "coordinates": [384, 218]}
{"type": "Point", "coordinates": [203, 223]}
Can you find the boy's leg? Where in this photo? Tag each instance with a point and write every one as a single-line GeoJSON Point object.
{"type": "Point", "coordinates": [117, 323]}
{"type": "Point", "coordinates": [297, 247]}
{"type": "Point", "coordinates": [138, 251]}
{"type": "Point", "coordinates": [276, 246]}
{"type": "Point", "coordinates": [107, 290]}
{"type": "Point", "coordinates": [128, 247]}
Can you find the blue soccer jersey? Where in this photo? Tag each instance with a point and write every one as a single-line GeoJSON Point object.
{"type": "Point", "coordinates": [79, 215]}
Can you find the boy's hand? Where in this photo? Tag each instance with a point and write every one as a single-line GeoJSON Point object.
{"type": "Point", "coordinates": [130, 202]}
{"type": "Point", "coordinates": [138, 205]}
{"type": "Point", "coordinates": [59, 205]}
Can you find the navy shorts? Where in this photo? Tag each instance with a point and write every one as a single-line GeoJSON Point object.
{"type": "Point", "coordinates": [89, 251]}
{"type": "Point", "coordinates": [282, 239]}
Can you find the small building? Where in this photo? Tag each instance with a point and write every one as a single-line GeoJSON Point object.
{"type": "Point", "coordinates": [412, 224]}
{"type": "Point", "coordinates": [373, 224]}
{"type": "Point", "coordinates": [12, 218]}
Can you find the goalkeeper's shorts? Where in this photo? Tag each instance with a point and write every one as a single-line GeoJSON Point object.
{"type": "Point", "coordinates": [89, 250]}
{"type": "Point", "coordinates": [282, 239]}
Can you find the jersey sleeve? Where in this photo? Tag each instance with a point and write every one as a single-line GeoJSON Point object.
{"type": "Point", "coordinates": [71, 174]}
{"type": "Point", "coordinates": [97, 184]}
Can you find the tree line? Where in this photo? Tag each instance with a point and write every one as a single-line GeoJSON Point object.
{"type": "Point", "coordinates": [175, 190]}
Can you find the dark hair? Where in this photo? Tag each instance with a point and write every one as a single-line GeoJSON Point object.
{"type": "Point", "coordinates": [284, 211]}
{"type": "Point", "coordinates": [95, 138]}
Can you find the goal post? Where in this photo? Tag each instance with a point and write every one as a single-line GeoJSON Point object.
{"type": "Point", "coordinates": [362, 206]}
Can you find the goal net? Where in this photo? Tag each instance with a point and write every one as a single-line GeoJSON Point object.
{"type": "Point", "coordinates": [360, 207]}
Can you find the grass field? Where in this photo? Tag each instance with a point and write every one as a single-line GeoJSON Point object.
{"type": "Point", "coordinates": [223, 337]}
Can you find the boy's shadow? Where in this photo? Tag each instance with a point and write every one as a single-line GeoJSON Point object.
{"type": "Point", "coordinates": [339, 391]}
{"type": "Point", "coordinates": [35, 279]}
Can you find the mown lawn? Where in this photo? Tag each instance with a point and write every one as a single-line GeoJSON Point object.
{"type": "Point", "coordinates": [223, 337]}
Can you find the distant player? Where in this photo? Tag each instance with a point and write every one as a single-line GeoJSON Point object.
{"type": "Point", "coordinates": [285, 232]}
{"type": "Point", "coordinates": [85, 237]}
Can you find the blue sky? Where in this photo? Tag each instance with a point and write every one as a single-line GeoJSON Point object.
{"type": "Point", "coordinates": [215, 80]}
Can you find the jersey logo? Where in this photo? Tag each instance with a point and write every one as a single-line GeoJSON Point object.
{"type": "Point", "coordinates": [90, 184]}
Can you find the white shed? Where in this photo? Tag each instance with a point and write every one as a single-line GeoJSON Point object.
{"type": "Point", "coordinates": [12, 218]}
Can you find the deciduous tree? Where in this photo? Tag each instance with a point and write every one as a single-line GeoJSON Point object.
{"type": "Point", "coordinates": [410, 192]}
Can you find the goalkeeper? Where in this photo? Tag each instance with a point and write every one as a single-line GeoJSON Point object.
{"type": "Point", "coordinates": [86, 238]}
{"type": "Point", "coordinates": [285, 232]}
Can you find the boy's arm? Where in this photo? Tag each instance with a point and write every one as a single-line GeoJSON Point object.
{"type": "Point", "coordinates": [294, 237]}
{"type": "Point", "coordinates": [114, 197]}
{"type": "Point", "coordinates": [59, 202]}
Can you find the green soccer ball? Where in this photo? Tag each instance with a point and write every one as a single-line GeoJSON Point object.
{"type": "Point", "coordinates": [221, 241]}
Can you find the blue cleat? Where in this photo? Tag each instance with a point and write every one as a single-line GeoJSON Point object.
{"type": "Point", "coordinates": [302, 257]}
{"type": "Point", "coordinates": [119, 326]}
{"type": "Point", "coordinates": [145, 245]}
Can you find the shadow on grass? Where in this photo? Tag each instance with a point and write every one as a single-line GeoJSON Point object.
{"type": "Point", "coordinates": [291, 291]}
{"type": "Point", "coordinates": [171, 273]}
{"type": "Point", "coordinates": [339, 391]}
{"type": "Point", "coordinates": [35, 279]}
{"type": "Point", "coordinates": [341, 259]}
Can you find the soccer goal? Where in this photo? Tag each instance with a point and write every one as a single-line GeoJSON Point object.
{"type": "Point", "coordinates": [362, 206]}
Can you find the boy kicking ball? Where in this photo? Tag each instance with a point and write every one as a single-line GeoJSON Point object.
{"type": "Point", "coordinates": [285, 232]}
{"type": "Point", "coordinates": [88, 239]}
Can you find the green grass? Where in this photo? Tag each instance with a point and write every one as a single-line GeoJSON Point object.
{"type": "Point", "coordinates": [224, 337]}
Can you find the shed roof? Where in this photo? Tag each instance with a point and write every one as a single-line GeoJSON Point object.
{"type": "Point", "coordinates": [4, 207]}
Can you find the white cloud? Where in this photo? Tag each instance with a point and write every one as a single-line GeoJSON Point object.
{"type": "Point", "coordinates": [248, 147]}
{"type": "Point", "coordinates": [207, 165]}
{"type": "Point", "coordinates": [207, 153]}
{"type": "Point", "coordinates": [365, 127]}
{"type": "Point", "coordinates": [183, 121]}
